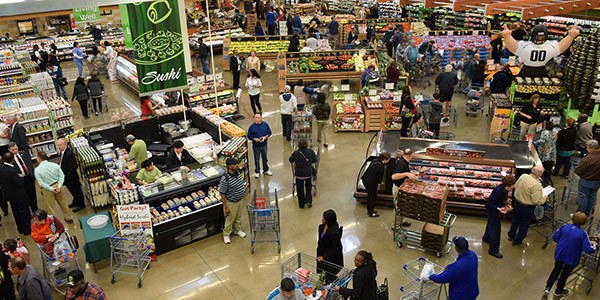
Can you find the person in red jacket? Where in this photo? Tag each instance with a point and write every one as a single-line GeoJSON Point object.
{"type": "Point", "coordinates": [46, 229]}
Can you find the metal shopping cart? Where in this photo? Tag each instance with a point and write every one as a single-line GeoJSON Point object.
{"type": "Point", "coordinates": [417, 288]}
{"type": "Point", "coordinates": [264, 220]}
{"type": "Point", "coordinates": [58, 259]}
{"type": "Point", "coordinates": [475, 100]}
{"type": "Point", "coordinates": [129, 253]}
{"type": "Point", "coordinates": [301, 127]}
{"type": "Point", "coordinates": [320, 278]}
{"type": "Point", "coordinates": [589, 266]}
{"type": "Point", "coordinates": [103, 104]}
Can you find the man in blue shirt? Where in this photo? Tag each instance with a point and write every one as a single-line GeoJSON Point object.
{"type": "Point", "coordinates": [334, 33]}
{"type": "Point", "coordinates": [462, 274]}
{"type": "Point", "coordinates": [271, 21]}
{"type": "Point", "coordinates": [78, 58]}
{"type": "Point", "coordinates": [259, 133]}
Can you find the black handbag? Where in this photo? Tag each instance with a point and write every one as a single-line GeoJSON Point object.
{"type": "Point", "coordinates": [312, 167]}
{"type": "Point", "coordinates": [64, 82]}
{"type": "Point", "coordinates": [382, 291]}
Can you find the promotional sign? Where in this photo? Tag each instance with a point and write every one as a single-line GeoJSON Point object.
{"type": "Point", "coordinates": [134, 217]}
{"type": "Point", "coordinates": [86, 14]}
{"type": "Point", "coordinates": [159, 46]}
{"type": "Point", "coordinates": [126, 27]}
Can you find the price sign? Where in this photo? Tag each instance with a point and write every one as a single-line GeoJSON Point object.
{"type": "Point", "coordinates": [397, 97]}
{"type": "Point", "coordinates": [219, 76]}
{"type": "Point", "coordinates": [348, 97]}
{"type": "Point", "coordinates": [389, 86]}
{"type": "Point", "coordinates": [372, 92]}
{"type": "Point", "coordinates": [345, 87]}
{"type": "Point", "coordinates": [209, 77]}
{"type": "Point", "coordinates": [201, 79]}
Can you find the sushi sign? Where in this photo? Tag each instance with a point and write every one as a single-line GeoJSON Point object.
{"type": "Point", "coordinates": [86, 14]}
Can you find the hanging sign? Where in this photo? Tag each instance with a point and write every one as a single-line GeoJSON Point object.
{"type": "Point", "coordinates": [86, 14]}
{"type": "Point", "coordinates": [159, 46]}
{"type": "Point", "coordinates": [126, 27]}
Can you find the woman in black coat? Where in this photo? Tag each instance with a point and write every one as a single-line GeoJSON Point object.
{"type": "Point", "coordinates": [371, 179]}
{"type": "Point", "coordinates": [303, 158]}
{"type": "Point", "coordinates": [7, 288]}
{"type": "Point", "coordinates": [565, 148]}
{"type": "Point", "coordinates": [330, 257]}
{"type": "Point", "coordinates": [364, 282]}
{"type": "Point", "coordinates": [178, 156]}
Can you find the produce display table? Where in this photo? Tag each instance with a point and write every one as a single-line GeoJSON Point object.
{"type": "Point", "coordinates": [266, 47]}
{"type": "Point", "coordinates": [97, 246]}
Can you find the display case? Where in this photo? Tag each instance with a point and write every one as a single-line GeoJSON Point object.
{"type": "Point", "coordinates": [266, 47]}
{"type": "Point", "coordinates": [347, 112]}
{"type": "Point", "coordinates": [127, 73]}
{"type": "Point", "coordinates": [91, 168]}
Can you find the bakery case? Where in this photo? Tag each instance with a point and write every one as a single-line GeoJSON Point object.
{"type": "Point", "coordinates": [470, 171]}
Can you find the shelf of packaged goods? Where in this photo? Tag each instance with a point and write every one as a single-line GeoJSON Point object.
{"type": "Point", "coordinates": [33, 120]}
{"type": "Point", "coordinates": [64, 127]}
{"type": "Point", "coordinates": [17, 91]}
{"type": "Point", "coordinates": [451, 159]}
{"type": "Point", "coordinates": [211, 90]}
{"type": "Point", "coordinates": [212, 104]}
{"type": "Point", "coordinates": [38, 132]}
{"type": "Point", "coordinates": [331, 75]}
{"type": "Point", "coordinates": [62, 116]}
{"type": "Point", "coordinates": [41, 143]}
{"type": "Point", "coordinates": [19, 72]}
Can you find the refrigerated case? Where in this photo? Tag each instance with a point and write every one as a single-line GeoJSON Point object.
{"type": "Point", "coordinates": [469, 179]}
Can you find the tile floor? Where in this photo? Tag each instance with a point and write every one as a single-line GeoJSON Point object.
{"type": "Point", "coordinates": [209, 269]}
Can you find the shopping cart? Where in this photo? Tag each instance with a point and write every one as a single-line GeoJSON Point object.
{"type": "Point", "coordinates": [264, 220]}
{"type": "Point", "coordinates": [301, 127]}
{"type": "Point", "coordinates": [548, 220]}
{"type": "Point", "coordinates": [58, 259]}
{"type": "Point", "coordinates": [418, 288]}
{"type": "Point", "coordinates": [413, 238]}
{"type": "Point", "coordinates": [103, 104]}
{"type": "Point", "coordinates": [475, 100]}
{"type": "Point", "coordinates": [97, 64]}
{"type": "Point", "coordinates": [319, 278]}
{"type": "Point", "coordinates": [589, 266]}
{"type": "Point", "coordinates": [129, 253]}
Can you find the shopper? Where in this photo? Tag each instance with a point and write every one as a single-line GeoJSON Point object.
{"type": "Point", "coordinates": [14, 248]}
{"type": "Point", "coordinates": [178, 156]}
{"type": "Point", "coordinates": [401, 173]}
{"type": "Point", "coordinates": [45, 230]}
{"type": "Point", "coordinates": [138, 150]}
{"type": "Point", "coordinates": [388, 40]}
{"type": "Point", "coordinates": [96, 89]}
{"type": "Point", "coordinates": [408, 109]}
{"type": "Point", "coordinates": [426, 48]}
{"type": "Point", "coordinates": [496, 205]}
{"type": "Point", "coordinates": [7, 286]}
{"type": "Point", "coordinates": [371, 31]}
{"type": "Point", "coordinates": [235, 65]}
{"type": "Point", "coordinates": [231, 187]}
{"type": "Point", "coordinates": [571, 241]}
{"type": "Point", "coordinates": [322, 111]}
{"type": "Point", "coordinates": [418, 129]}
{"type": "Point", "coordinates": [462, 274]}
{"type": "Point", "coordinates": [58, 80]}
{"type": "Point", "coordinates": [478, 74]}
{"type": "Point", "coordinates": [253, 62]}
{"type": "Point", "coordinates": [22, 164]}
{"type": "Point", "coordinates": [287, 105]}
{"type": "Point", "coordinates": [435, 115]}
{"type": "Point", "coordinates": [96, 33]}
{"type": "Point", "coordinates": [565, 148]}
{"type": "Point", "coordinates": [258, 29]}
{"type": "Point", "coordinates": [496, 44]}
{"type": "Point", "coordinates": [446, 82]}
{"type": "Point", "coordinates": [297, 24]}
{"type": "Point", "coordinates": [369, 76]}
{"type": "Point", "coordinates": [392, 73]}
{"type": "Point", "coordinates": [18, 134]}
{"type": "Point", "coordinates": [78, 57]}
{"type": "Point", "coordinates": [303, 161]}
{"type": "Point", "coordinates": [202, 53]}
{"type": "Point", "coordinates": [53, 56]}
{"type": "Point", "coordinates": [41, 56]}
{"type": "Point", "coordinates": [352, 38]}
{"type": "Point", "coordinates": [13, 190]}
{"type": "Point", "coordinates": [271, 21]}
{"type": "Point", "coordinates": [470, 65]}
{"type": "Point", "coordinates": [78, 288]}
{"type": "Point", "coordinates": [546, 148]}
{"type": "Point", "coordinates": [4, 137]}
{"type": "Point", "coordinates": [147, 107]}
{"type": "Point", "coordinates": [81, 93]}
{"type": "Point", "coordinates": [502, 80]}
{"type": "Point", "coordinates": [588, 170]}
{"type": "Point", "coordinates": [300, 91]}
{"type": "Point", "coordinates": [584, 134]}
{"type": "Point", "coordinates": [411, 54]}
{"type": "Point", "coordinates": [287, 291]}
{"type": "Point", "coordinates": [364, 278]}
{"type": "Point", "coordinates": [330, 256]}
{"type": "Point", "coordinates": [259, 133]}
{"type": "Point", "coordinates": [312, 42]}
{"type": "Point", "coordinates": [68, 164]}
{"type": "Point", "coordinates": [528, 194]}
{"type": "Point", "coordinates": [51, 179]}
{"type": "Point", "coordinates": [148, 173]}
{"type": "Point", "coordinates": [254, 84]}
{"type": "Point", "coordinates": [334, 33]}
{"type": "Point", "coordinates": [530, 116]}
{"type": "Point", "coordinates": [294, 43]}
{"type": "Point", "coordinates": [397, 39]}
{"type": "Point", "coordinates": [31, 285]}
{"type": "Point", "coordinates": [372, 178]}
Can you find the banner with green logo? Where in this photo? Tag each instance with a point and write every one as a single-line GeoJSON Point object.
{"type": "Point", "coordinates": [158, 45]}
{"type": "Point", "coordinates": [125, 25]}
{"type": "Point", "coordinates": [86, 14]}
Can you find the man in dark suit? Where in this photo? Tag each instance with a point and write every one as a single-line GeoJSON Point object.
{"type": "Point", "coordinates": [68, 165]}
{"type": "Point", "coordinates": [18, 135]}
{"type": "Point", "coordinates": [23, 165]}
{"type": "Point", "coordinates": [235, 65]}
{"type": "Point", "coordinates": [178, 157]}
{"type": "Point", "coordinates": [13, 190]}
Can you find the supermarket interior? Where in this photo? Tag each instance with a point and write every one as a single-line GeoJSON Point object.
{"type": "Point", "coordinates": [467, 133]}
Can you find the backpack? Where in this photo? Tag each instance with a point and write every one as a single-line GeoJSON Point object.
{"type": "Point", "coordinates": [44, 55]}
{"type": "Point", "coordinates": [321, 111]}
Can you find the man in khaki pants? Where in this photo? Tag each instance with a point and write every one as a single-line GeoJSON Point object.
{"type": "Point", "coordinates": [232, 192]}
{"type": "Point", "coordinates": [51, 178]}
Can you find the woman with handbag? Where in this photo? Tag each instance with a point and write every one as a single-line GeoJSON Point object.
{"type": "Point", "coordinates": [82, 94]}
{"type": "Point", "coordinates": [371, 179]}
{"type": "Point", "coordinates": [304, 158]}
{"type": "Point", "coordinates": [408, 110]}
{"type": "Point", "coordinates": [59, 81]}
{"type": "Point", "coordinates": [364, 278]}
{"type": "Point", "coordinates": [330, 256]}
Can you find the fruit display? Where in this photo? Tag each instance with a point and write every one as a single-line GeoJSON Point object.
{"type": "Point", "coordinates": [345, 97]}
{"type": "Point", "coordinates": [348, 107]}
{"type": "Point", "coordinates": [391, 109]}
{"type": "Point", "coordinates": [354, 123]}
{"type": "Point", "coordinates": [326, 61]}
{"type": "Point", "coordinates": [225, 110]}
{"type": "Point", "coordinates": [459, 42]}
{"type": "Point", "coordinates": [270, 46]}
{"type": "Point", "coordinates": [582, 73]}
{"type": "Point", "coordinates": [543, 85]}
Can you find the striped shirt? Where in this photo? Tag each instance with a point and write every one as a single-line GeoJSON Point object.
{"type": "Point", "coordinates": [232, 186]}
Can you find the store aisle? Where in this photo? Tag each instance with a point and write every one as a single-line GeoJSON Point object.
{"type": "Point", "coordinates": [209, 269]}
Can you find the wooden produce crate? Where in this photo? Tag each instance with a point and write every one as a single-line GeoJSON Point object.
{"type": "Point", "coordinates": [374, 119]}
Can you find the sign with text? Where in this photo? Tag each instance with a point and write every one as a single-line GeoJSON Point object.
{"type": "Point", "coordinates": [86, 14]}
{"type": "Point", "coordinates": [126, 27]}
{"type": "Point", "coordinates": [159, 46]}
{"type": "Point", "coordinates": [134, 217]}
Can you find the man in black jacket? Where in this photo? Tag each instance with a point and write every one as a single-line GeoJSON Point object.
{"type": "Point", "coordinates": [18, 134]}
{"type": "Point", "coordinates": [371, 179]}
{"type": "Point", "coordinates": [235, 65]}
{"type": "Point", "coordinates": [14, 191]}
{"type": "Point", "coordinates": [68, 164]}
{"type": "Point", "coordinates": [178, 157]}
{"type": "Point", "coordinates": [202, 52]}
{"type": "Point", "coordinates": [22, 164]}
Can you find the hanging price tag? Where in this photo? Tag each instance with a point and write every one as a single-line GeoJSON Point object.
{"type": "Point", "coordinates": [389, 86]}
{"type": "Point", "coordinates": [345, 87]}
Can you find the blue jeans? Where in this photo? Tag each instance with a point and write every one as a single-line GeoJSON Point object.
{"type": "Point", "coordinates": [79, 64]}
{"type": "Point", "coordinates": [562, 161]}
{"type": "Point", "coordinates": [260, 151]}
{"type": "Point", "coordinates": [60, 89]}
{"type": "Point", "coordinates": [586, 198]}
{"type": "Point", "coordinates": [520, 222]}
{"type": "Point", "coordinates": [204, 64]}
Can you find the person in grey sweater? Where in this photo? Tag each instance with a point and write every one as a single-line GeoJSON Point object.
{"type": "Point", "coordinates": [435, 117]}
{"type": "Point", "coordinates": [81, 93]}
{"type": "Point", "coordinates": [96, 89]}
{"type": "Point", "coordinates": [584, 133]}
{"type": "Point", "coordinates": [32, 286]}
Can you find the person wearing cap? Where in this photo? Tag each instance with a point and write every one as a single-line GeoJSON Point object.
{"type": "Point", "coordinates": [571, 241]}
{"type": "Point", "coordinates": [78, 288]}
{"type": "Point", "coordinates": [148, 174]}
{"type": "Point", "coordinates": [138, 149]}
{"type": "Point", "coordinates": [232, 190]}
{"type": "Point", "coordinates": [528, 194]}
{"type": "Point", "coordinates": [462, 274]}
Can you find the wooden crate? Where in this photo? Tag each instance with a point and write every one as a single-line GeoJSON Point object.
{"type": "Point", "coordinates": [374, 119]}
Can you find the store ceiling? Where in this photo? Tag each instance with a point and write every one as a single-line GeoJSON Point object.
{"type": "Point", "coordinates": [24, 7]}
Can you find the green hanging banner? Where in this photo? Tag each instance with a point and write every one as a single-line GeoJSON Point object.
{"type": "Point", "coordinates": [158, 45]}
{"type": "Point", "coordinates": [125, 25]}
{"type": "Point", "coordinates": [86, 14]}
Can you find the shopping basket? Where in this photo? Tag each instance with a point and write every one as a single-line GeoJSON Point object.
{"type": "Point", "coordinates": [264, 220]}
{"type": "Point", "coordinates": [418, 288]}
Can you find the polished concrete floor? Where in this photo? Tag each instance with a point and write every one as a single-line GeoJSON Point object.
{"type": "Point", "coordinates": [209, 269]}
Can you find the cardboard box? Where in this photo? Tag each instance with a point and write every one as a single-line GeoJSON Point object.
{"type": "Point", "coordinates": [434, 236]}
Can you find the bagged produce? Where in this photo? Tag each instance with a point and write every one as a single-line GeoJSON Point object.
{"type": "Point", "coordinates": [581, 73]}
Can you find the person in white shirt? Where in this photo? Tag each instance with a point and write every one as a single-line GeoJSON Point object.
{"type": "Point", "coordinates": [254, 84]}
{"type": "Point", "coordinates": [289, 104]}
{"type": "Point", "coordinates": [312, 43]}
{"type": "Point", "coordinates": [4, 137]}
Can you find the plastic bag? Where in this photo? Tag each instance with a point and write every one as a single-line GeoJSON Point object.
{"type": "Point", "coordinates": [61, 247]}
{"type": "Point", "coordinates": [427, 271]}
{"type": "Point", "coordinates": [538, 212]}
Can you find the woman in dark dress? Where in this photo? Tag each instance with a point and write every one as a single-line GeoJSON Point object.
{"type": "Point", "coordinates": [330, 257]}
{"type": "Point", "coordinates": [364, 279]}
{"type": "Point", "coordinates": [303, 158]}
{"type": "Point", "coordinates": [531, 115]}
{"type": "Point", "coordinates": [565, 148]}
{"type": "Point", "coordinates": [494, 206]}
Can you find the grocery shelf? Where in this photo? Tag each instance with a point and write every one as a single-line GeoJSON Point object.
{"type": "Point", "coordinates": [38, 132]}
{"type": "Point", "coordinates": [33, 120]}
{"type": "Point", "coordinates": [41, 143]}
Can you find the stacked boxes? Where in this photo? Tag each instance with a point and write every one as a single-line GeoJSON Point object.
{"type": "Point", "coordinates": [434, 236]}
{"type": "Point", "coordinates": [422, 201]}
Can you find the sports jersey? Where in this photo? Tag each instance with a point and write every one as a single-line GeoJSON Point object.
{"type": "Point", "coordinates": [534, 55]}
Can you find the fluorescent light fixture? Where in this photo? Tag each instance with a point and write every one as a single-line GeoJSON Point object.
{"type": "Point", "coordinates": [10, 1]}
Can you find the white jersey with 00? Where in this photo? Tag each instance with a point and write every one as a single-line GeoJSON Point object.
{"type": "Point", "coordinates": [534, 55]}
